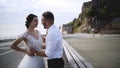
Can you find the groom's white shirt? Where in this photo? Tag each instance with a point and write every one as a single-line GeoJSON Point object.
{"type": "Point", "coordinates": [54, 46]}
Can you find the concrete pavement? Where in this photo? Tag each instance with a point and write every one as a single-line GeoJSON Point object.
{"type": "Point", "coordinates": [100, 51]}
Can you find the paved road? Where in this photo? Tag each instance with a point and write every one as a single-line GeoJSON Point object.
{"type": "Point", "coordinates": [101, 51]}
{"type": "Point", "coordinates": [10, 58]}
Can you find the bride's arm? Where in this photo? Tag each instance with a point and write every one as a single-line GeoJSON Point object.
{"type": "Point", "coordinates": [16, 48]}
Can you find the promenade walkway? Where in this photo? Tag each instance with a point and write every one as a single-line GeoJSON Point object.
{"type": "Point", "coordinates": [102, 51]}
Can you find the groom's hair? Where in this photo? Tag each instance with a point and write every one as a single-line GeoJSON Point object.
{"type": "Point", "coordinates": [48, 16]}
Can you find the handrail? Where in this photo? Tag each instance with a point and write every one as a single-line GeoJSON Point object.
{"type": "Point", "coordinates": [74, 59]}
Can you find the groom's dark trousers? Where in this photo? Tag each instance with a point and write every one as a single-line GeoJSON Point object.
{"type": "Point", "coordinates": [56, 63]}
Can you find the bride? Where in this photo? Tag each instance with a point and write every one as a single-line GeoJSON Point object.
{"type": "Point", "coordinates": [33, 40]}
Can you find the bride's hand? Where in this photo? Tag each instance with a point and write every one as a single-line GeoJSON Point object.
{"type": "Point", "coordinates": [29, 53]}
{"type": "Point", "coordinates": [33, 50]}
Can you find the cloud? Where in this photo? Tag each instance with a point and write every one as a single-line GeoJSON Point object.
{"type": "Point", "coordinates": [64, 10]}
{"type": "Point", "coordinates": [34, 5]}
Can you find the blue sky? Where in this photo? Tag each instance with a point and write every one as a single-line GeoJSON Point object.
{"type": "Point", "coordinates": [14, 12]}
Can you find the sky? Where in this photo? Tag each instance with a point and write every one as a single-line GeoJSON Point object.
{"type": "Point", "coordinates": [13, 13]}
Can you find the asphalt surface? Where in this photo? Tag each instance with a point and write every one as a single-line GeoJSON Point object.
{"type": "Point", "coordinates": [8, 57]}
{"type": "Point", "coordinates": [11, 59]}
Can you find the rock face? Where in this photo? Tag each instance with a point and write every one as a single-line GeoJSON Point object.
{"type": "Point", "coordinates": [98, 16]}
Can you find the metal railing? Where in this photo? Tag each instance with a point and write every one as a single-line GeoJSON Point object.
{"type": "Point", "coordinates": [74, 59]}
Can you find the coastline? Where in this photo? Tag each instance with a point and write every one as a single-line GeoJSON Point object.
{"type": "Point", "coordinates": [6, 40]}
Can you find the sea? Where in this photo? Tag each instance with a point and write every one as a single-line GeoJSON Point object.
{"type": "Point", "coordinates": [12, 31]}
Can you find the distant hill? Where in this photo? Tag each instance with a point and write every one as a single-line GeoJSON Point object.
{"type": "Point", "coordinates": [98, 16]}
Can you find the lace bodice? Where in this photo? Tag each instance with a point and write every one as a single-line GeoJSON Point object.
{"type": "Point", "coordinates": [32, 41]}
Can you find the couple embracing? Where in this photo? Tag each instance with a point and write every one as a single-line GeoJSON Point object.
{"type": "Point", "coordinates": [35, 50]}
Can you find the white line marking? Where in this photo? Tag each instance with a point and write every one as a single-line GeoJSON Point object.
{"type": "Point", "coordinates": [6, 52]}
{"type": "Point", "coordinates": [10, 48]}
{"type": "Point", "coordinates": [4, 45]}
{"type": "Point", "coordinates": [5, 48]}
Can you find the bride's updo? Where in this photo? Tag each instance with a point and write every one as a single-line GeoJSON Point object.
{"type": "Point", "coordinates": [29, 19]}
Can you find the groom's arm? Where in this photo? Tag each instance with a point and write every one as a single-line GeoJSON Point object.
{"type": "Point", "coordinates": [41, 53]}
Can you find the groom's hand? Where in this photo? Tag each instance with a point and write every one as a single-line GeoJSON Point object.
{"type": "Point", "coordinates": [43, 47]}
{"type": "Point", "coordinates": [33, 50]}
{"type": "Point", "coordinates": [41, 53]}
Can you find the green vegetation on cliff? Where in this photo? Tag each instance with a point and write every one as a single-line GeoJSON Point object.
{"type": "Point", "coordinates": [96, 14]}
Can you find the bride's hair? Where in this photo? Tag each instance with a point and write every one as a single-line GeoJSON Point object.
{"type": "Point", "coordinates": [29, 18]}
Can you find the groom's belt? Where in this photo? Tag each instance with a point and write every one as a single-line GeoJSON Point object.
{"type": "Point", "coordinates": [54, 59]}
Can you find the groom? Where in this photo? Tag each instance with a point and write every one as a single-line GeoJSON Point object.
{"type": "Point", "coordinates": [54, 47]}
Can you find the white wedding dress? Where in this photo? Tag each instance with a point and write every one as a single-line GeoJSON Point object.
{"type": "Point", "coordinates": [32, 61]}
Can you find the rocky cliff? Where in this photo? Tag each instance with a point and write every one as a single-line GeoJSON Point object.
{"type": "Point", "coordinates": [98, 16]}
